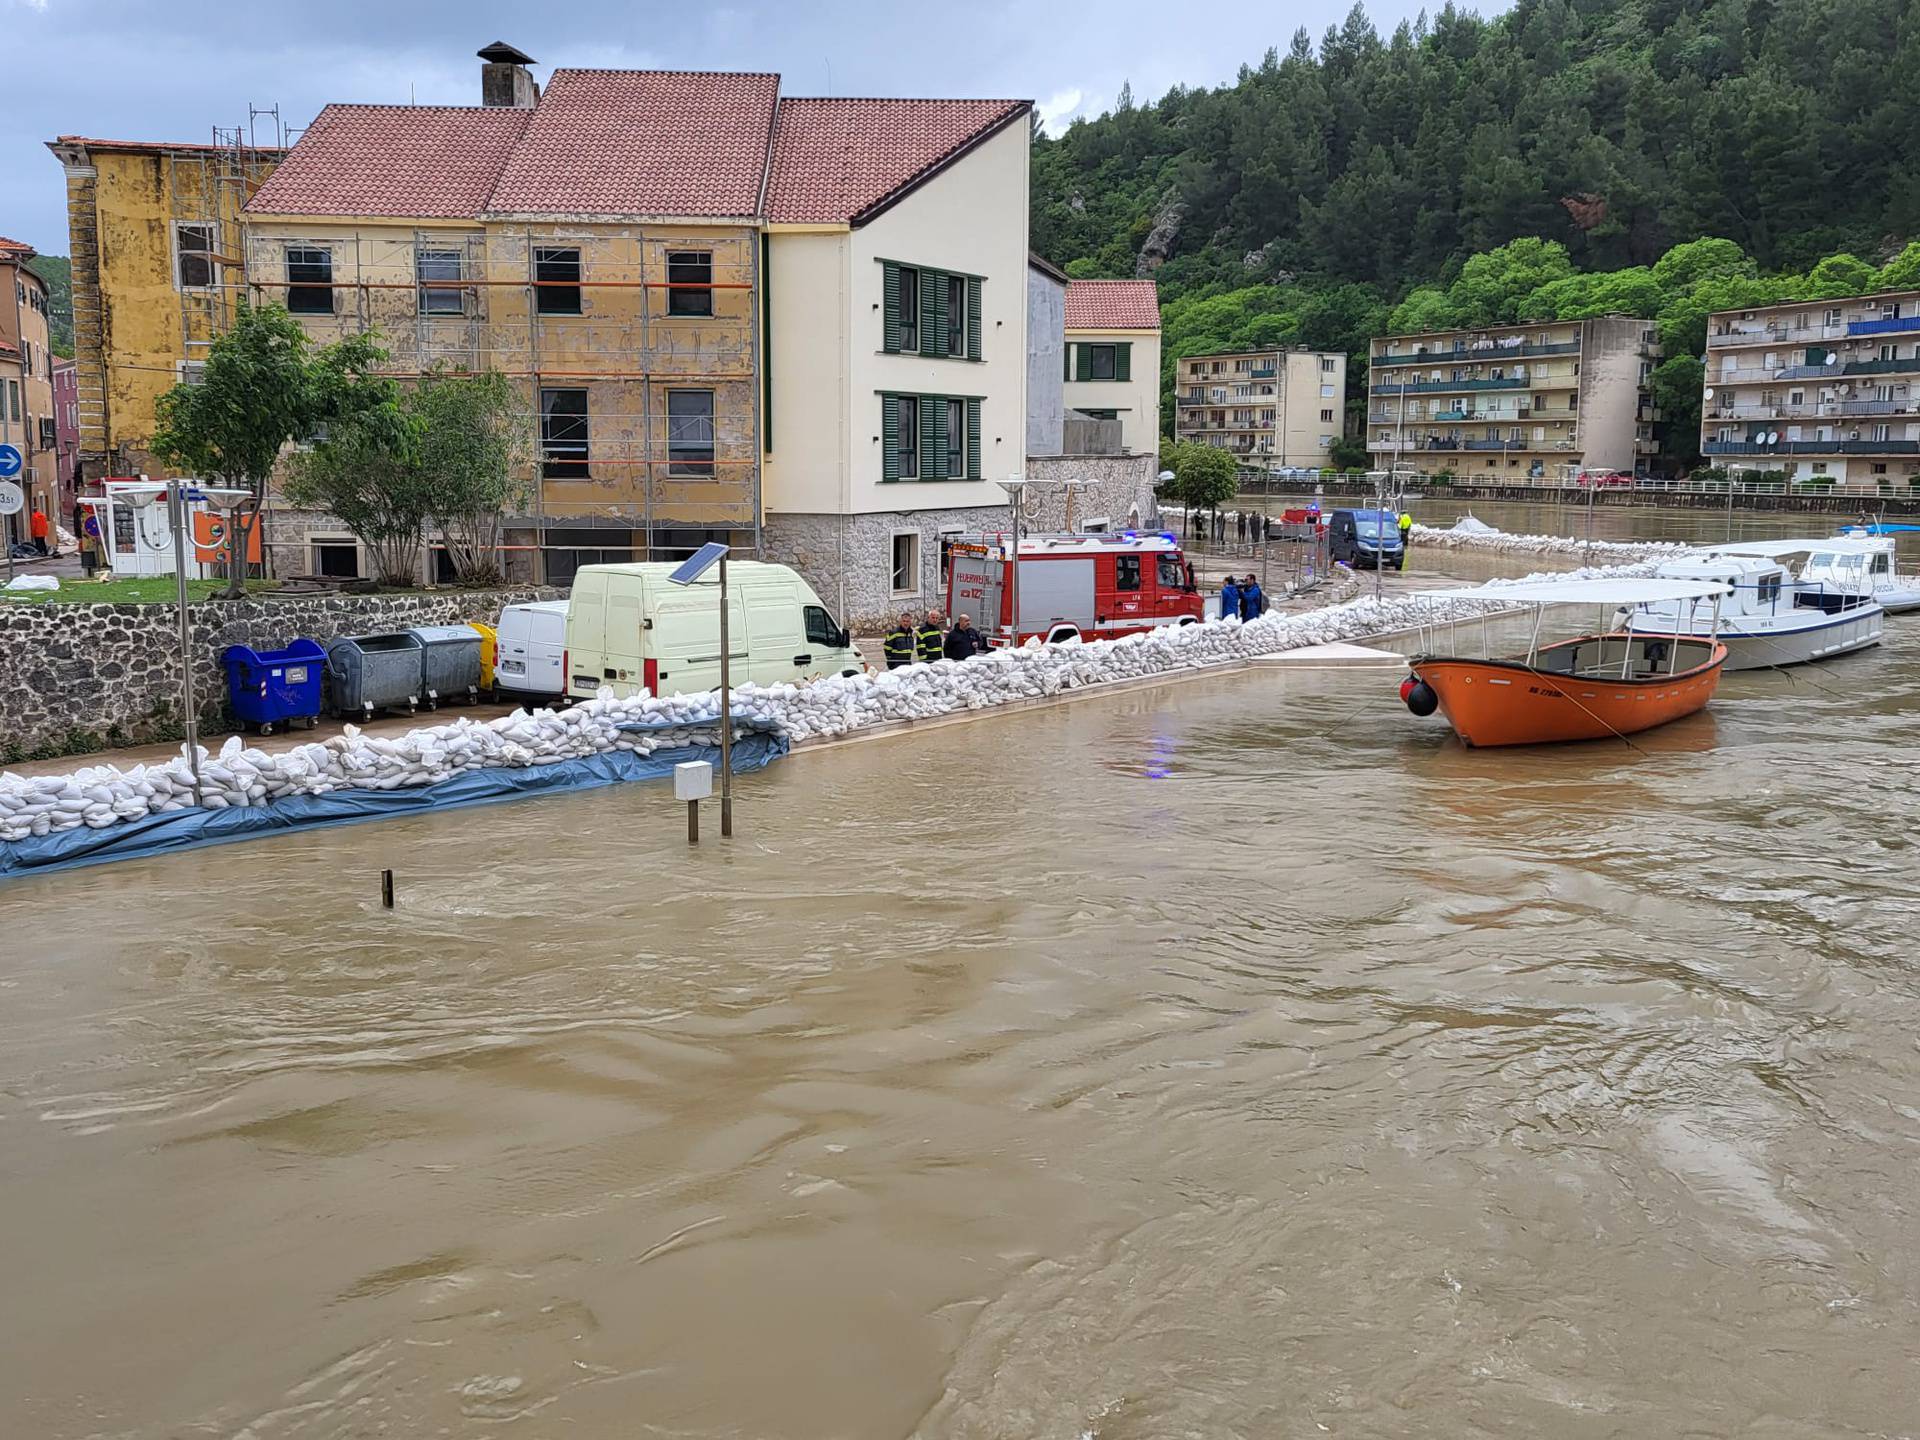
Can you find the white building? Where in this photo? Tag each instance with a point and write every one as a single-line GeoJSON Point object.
{"type": "Point", "coordinates": [1279, 408]}
{"type": "Point", "coordinates": [895, 354]}
{"type": "Point", "coordinates": [1824, 390]}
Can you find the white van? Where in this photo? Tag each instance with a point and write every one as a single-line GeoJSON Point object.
{"type": "Point", "coordinates": [628, 626]}
{"type": "Point", "coordinates": [530, 648]}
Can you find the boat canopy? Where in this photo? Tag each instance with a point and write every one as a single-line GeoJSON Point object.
{"type": "Point", "coordinates": [1880, 529]}
{"type": "Point", "coordinates": [1774, 549]}
{"type": "Point", "coordinates": [1623, 591]}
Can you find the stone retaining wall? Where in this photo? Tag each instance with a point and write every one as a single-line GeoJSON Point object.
{"type": "Point", "coordinates": [78, 677]}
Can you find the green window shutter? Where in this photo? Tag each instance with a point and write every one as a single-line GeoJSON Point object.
{"type": "Point", "coordinates": [973, 317]}
{"type": "Point", "coordinates": [1083, 366]}
{"type": "Point", "coordinates": [941, 320]}
{"type": "Point", "coordinates": [889, 436]}
{"type": "Point", "coordinates": [1066, 361]}
{"type": "Point", "coordinates": [892, 338]}
{"type": "Point", "coordinates": [931, 461]}
{"type": "Point", "coordinates": [933, 300]}
{"type": "Point", "coordinates": [1123, 360]}
{"type": "Point", "coordinates": [938, 430]}
{"type": "Point", "coordinates": [973, 439]}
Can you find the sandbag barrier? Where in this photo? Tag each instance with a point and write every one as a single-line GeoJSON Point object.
{"type": "Point", "coordinates": [1476, 536]}
{"type": "Point", "coordinates": [103, 797]}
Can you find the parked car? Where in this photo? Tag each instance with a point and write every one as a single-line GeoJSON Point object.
{"type": "Point", "coordinates": [1603, 479]}
{"type": "Point", "coordinates": [530, 650]}
{"type": "Point", "coordinates": [628, 626]}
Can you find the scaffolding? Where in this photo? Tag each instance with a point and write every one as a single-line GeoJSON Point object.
{"type": "Point", "coordinates": [209, 186]}
{"type": "Point", "coordinates": [638, 349]}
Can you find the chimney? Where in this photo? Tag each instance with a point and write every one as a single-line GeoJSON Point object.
{"type": "Point", "coordinates": [505, 80]}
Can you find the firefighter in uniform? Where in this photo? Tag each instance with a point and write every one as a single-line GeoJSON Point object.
{"type": "Point", "coordinates": [929, 639]}
{"type": "Point", "coordinates": [899, 643]}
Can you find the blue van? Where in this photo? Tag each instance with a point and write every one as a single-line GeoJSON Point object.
{"type": "Point", "coordinates": [1366, 539]}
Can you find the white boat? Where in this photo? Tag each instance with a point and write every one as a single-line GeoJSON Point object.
{"type": "Point", "coordinates": [1771, 618]}
{"type": "Point", "coordinates": [1869, 563]}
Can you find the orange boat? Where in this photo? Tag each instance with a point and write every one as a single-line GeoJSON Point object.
{"type": "Point", "coordinates": [1595, 687]}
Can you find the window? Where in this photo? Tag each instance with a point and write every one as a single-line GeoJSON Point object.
{"type": "Point", "coordinates": [690, 432]}
{"type": "Point", "coordinates": [13, 392]}
{"type": "Point", "coordinates": [957, 316]}
{"type": "Point", "coordinates": [1107, 362]}
{"type": "Point", "coordinates": [820, 627]}
{"type": "Point", "coordinates": [1326, 392]}
{"type": "Point", "coordinates": [690, 282]}
{"type": "Point", "coordinates": [563, 434]}
{"type": "Point", "coordinates": [1126, 572]}
{"type": "Point", "coordinates": [908, 450]}
{"type": "Point", "coordinates": [556, 278]}
{"type": "Point", "coordinates": [193, 256]}
{"type": "Point", "coordinates": [1101, 362]}
{"type": "Point", "coordinates": [338, 558]}
{"type": "Point", "coordinates": [1879, 470]}
{"type": "Point", "coordinates": [1171, 576]}
{"type": "Point", "coordinates": [309, 280]}
{"type": "Point", "coordinates": [1326, 364]}
{"type": "Point", "coordinates": [956, 427]}
{"type": "Point", "coordinates": [1819, 467]}
{"type": "Point", "coordinates": [434, 268]}
{"type": "Point", "coordinates": [907, 323]}
{"type": "Point", "coordinates": [906, 562]}
{"type": "Point", "coordinates": [1326, 417]}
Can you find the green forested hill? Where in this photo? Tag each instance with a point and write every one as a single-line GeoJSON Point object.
{"type": "Point", "coordinates": [58, 273]}
{"type": "Point", "coordinates": [1306, 201]}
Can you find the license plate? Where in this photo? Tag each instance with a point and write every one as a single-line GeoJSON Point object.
{"type": "Point", "coordinates": [296, 675]}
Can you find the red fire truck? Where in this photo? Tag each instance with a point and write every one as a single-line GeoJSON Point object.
{"type": "Point", "coordinates": [1094, 586]}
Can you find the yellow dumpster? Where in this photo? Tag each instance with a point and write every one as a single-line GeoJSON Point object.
{"type": "Point", "coordinates": [489, 652]}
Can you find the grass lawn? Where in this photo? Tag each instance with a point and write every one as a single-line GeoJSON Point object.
{"type": "Point", "coordinates": [140, 590]}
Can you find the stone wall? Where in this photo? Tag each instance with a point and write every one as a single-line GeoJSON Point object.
{"type": "Point", "coordinates": [1120, 490]}
{"type": "Point", "coordinates": [75, 677]}
{"type": "Point", "coordinates": [849, 559]}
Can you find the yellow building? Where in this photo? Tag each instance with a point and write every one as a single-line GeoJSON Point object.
{"type": "Point", "coordinates": [26, 387]}
{"type": "Point", "coordinates": [1282, 409]}
{"type": "Point", "coordinates": [1537, 402]}
{"type": "Point", "coordinates": [154, 234]}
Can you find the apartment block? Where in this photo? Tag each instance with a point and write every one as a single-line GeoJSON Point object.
{"type": "Point", "coordinates": [1528, 402]}
{"type": "Point", "coordinates": [1825, 390]}
{"type": "Point", "coordinates": [1279, 408]}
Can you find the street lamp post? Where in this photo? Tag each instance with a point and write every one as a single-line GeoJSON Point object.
{"type": "Point", "coordinates": [690, 570]}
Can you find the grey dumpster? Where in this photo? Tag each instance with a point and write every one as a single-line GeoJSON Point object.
{"type": "Point", "coordinates": [366, 673]}
{"type": "Point", "coordinates": [450, 659]}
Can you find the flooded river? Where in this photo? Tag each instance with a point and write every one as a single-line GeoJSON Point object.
{"type": "Point", "coordinates": [1241, 1057]}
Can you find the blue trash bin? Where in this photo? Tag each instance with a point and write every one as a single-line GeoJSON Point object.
{"type": "Point", "coordinates": [274, 688]}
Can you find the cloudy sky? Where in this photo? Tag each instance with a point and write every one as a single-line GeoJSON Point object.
{"type": "Point", "coordinates": [136, 70]}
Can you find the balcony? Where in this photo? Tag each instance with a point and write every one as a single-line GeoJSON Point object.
{"type": "Point", "coordinates": [1773, 333]}
{"type": "Point", "coordinates": [1423, 387]}
{"type": "Point", "coordinates": [1264, 373]}
{"type": "Point", "coordinates": [1492, 355]}
{"type": "Point", "coordinates": [1496, 444]}
{"type": "Point", "coordinates": [1812, 447]}
{"type": "Point", "coordinates": [1905, 325]}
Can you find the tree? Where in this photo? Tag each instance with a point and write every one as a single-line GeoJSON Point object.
{"type": "Point", "coordinates": [367, 472]}
{"type": "Point", "coordinates": [263, 386]}
{"type": "Point", "coordinates": [1205, 477]}
{"type": "Point", "coordinates": [474, 437]}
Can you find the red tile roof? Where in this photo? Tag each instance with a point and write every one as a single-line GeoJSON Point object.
{"type": "Point", "coordinates": [845, 160]}
{"type": "Point", "coordinates": [1113, 305]}
{"type": "Point", "coordinates": [653, 143]}
{"type": "Point", "coordinates": [431, 161]}
{"type": "Point", "coordinates": [16, 249]}
{"type": "Point", "coordinates": [642, 142]}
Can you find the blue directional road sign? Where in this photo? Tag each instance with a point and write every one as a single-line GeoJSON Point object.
{"type": "Point", "coordinates": [9, 462]}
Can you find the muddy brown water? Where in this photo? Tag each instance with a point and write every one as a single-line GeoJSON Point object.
{"type": "Point", "coordinates": [1235, 1058]}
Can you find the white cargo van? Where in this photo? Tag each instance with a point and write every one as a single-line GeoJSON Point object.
{"type": "Point", "coordinates": [629, 626]}
{"type": "Point", "coordinates": [530, 648]}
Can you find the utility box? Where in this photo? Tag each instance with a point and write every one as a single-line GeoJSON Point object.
{"type": "Point", "coordinates": [693, 780]}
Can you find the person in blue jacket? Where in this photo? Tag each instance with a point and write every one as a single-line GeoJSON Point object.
{"type": "Point", "coordinates": [1229, 598]}
{"type": "Point", "coordinates": [1252, 602]}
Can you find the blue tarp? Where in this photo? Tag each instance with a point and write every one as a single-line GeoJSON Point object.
{"type": "Point", "coordinates": [191, 829]}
